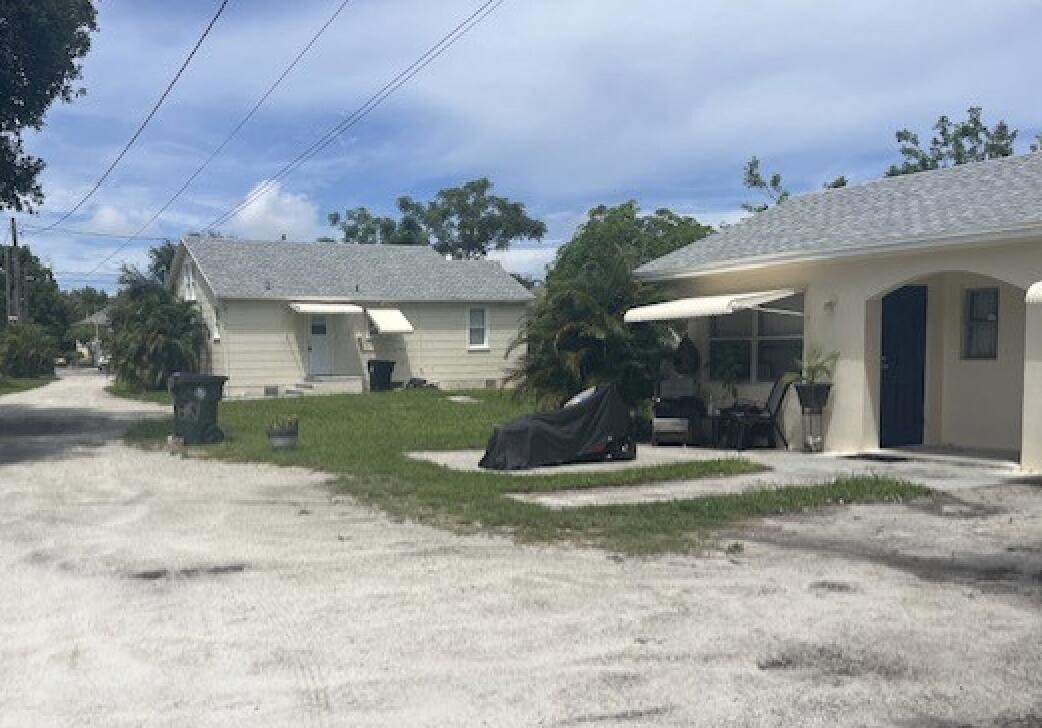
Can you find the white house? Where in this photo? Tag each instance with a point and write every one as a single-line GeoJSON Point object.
{"type": "Point", "coordinates": [928, 286]}
{"type": "Point", "coordinates": [287, 317]}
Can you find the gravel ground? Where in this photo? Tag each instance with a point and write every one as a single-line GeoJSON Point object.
{"type": "Point", "coordinates": [145, 589]}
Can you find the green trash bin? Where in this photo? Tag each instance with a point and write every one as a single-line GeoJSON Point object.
{"type": "Point", "coordinates": [195, 407]}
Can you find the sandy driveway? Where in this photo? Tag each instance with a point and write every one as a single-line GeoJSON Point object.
{"type": "Point", "coordinates": [144, 589]}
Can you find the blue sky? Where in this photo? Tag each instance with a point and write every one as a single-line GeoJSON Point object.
{"type": "Point", "coordinates": [564, 104]}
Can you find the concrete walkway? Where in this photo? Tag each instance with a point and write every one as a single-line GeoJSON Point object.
{"type": "Point", "coordinates": [784, 469]}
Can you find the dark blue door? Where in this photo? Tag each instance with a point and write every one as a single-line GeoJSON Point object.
{"type": "Point", "coordinates": [902, 385]}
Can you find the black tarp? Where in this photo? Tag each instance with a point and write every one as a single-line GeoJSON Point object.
{"type": "Point", "coordinates": [597, 428]}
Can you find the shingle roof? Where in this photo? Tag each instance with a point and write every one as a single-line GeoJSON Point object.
{"type": "Point", "coordinates": [971, 199]}
{"type": "Point", "coordinates": [283, 270]}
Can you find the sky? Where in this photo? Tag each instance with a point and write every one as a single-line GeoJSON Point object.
{"type": "Point", "coordinates": [563, 104]}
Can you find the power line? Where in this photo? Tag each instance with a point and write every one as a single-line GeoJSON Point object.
{"type": "Point", "coordinates": [85, 233]}
{"type": "Point", "coordinates": [403, 77]}
{"type": "Point", "coordinates": [148, 119]}
{"type": "Point", "coordinates": [234, 132]}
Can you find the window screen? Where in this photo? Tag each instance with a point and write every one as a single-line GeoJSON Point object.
{"type": "Point", "coordinates": [477, 334]}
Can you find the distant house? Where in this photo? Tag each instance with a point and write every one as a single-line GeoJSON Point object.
{"type": "Point", "coordinates": [928, 286]}
{"type": "Point", "coordinates": [286, 317]}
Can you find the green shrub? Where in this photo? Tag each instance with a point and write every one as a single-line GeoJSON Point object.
{"type": "Point", "coordinates": [27, 351]}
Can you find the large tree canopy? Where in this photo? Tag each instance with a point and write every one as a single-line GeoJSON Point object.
{"type": "Point", "coordinates": [464, 222]}
{"type": "Point", "coordinates": [574, 336]}
{"type": "Point", "coordinates": [41, 44]}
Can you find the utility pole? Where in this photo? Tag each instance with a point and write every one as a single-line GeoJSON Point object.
{"type": "Point", "coordinates": [14, 277]}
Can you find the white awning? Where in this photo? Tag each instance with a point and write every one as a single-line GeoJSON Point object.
{"type": "Point", "coordinates": [684, 308]}
{"type": "Point", "coordinates": [389, 321]}
{"type": "Point", "coordinates": [1035, 293]}
{"type": "Point", "coordinates": [327, 308]}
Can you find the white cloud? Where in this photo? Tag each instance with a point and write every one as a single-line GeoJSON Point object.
{"type": "Point", "coordinates": [277, 213]}
{"type": "Point", "coordinates": [528, 260]}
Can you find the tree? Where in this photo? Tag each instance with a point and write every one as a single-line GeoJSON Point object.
{"type": "Point", "coordinates": [954, 143]}
{"type": "Point", "coordinates": [46, 305]}
{"type": "Point", "coordinates": [464, 222]}
{"type": "Point", "coordinates": [575, 336]}
{"type": "Point", "coordinates": [771, 187]}
{"type": "Point", "coordinates": [83, 302]}
{"type": "Point", "coordinates": [153, 333]}
{"type": "Point", "coordinates": [27, 350]}
{"type": "Point", "coordinates": [161, 260]}
{"type": "Point", "coordinates": [1036, 146]}
{"type": "Point", "coordinates": [41, 44]}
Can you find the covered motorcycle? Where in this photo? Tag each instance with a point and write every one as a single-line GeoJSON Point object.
{"type": "Point", "coordinates": [593, 426]}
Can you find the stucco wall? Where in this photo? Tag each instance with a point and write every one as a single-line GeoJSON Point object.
{"type": "Point", "coordinates": [842, 314]}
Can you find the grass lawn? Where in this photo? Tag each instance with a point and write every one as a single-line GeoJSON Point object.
{"type": "Point", "coordinates": [363, 438]}
{"type": "Point", "coordinates": [121, 390]}
{"type": "Point", "coordinates": [10, 385]}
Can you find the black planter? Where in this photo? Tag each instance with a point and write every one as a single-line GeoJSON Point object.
{"type": "Point", "coordinates": [813, 397]}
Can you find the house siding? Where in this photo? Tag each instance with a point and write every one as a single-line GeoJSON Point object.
{"type": "Point", "coordinates": [437, 350]}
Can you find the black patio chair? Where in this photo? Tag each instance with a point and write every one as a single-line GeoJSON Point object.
{"type": "Point", "coordinates": [747, 420]}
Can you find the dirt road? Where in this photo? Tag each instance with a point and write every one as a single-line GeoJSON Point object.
{"type": "Point", "coordinates": [144, 589]}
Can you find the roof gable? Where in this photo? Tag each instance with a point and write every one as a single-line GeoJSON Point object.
{"type": "Point", "coordinates": [946, 204]}
{"type": "Point", "coordinates": [283, 270]}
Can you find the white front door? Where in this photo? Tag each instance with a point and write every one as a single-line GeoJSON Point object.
{"type": "Point", "coordinates": [320, 359]}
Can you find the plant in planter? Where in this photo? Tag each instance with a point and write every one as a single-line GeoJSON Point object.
{"type": "Point", "coordinates": [813, 379]}
{"type": "Point", "coordinates": [283, 432]}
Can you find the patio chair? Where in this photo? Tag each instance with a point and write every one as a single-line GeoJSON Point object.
{"type": "Point", "coordinates": [747, 420]}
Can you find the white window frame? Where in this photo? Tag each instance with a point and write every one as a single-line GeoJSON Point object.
{"type": "Point", "coordinates": [189, 282]}
{"type": "Point", "coordinates": [754, 338]}
{"type": "Point", "coordinates": [483, 346]}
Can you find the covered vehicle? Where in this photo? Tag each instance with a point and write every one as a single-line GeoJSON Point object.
{"type": "Point", "coordinates": [593, 426]}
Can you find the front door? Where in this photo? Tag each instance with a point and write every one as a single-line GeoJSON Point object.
{"type": "Point", "coordinates": [902, 385]}
{"type": "Point", "coordinates": [319, 349]}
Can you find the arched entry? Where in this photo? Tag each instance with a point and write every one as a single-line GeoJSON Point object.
{"type": "Point", "coordinates": [945, 361]}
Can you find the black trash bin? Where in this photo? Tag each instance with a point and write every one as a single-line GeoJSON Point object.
{"type": "Point", "coordinates": [380, 375]}
{"type": "Point", "coordinates": [195, 407]}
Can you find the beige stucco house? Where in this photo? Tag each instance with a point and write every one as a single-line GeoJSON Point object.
{"type": "Point", "coordinates": [928, 286]}
{"type": "Point", "coordinates": [303, 318]}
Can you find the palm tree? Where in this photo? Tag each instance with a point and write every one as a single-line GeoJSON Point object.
{"type": "Point", "coordinates": [153, 333]}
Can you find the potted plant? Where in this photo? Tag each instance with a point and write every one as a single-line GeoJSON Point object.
{"type": "Point", "coordinates": [813, 380]}
{"type": "Point", "coordinates": [283, 432]}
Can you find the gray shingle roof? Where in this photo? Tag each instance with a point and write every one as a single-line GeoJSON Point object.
{"type": "Point", "coordinates": [979, 198]}
{"type": "Point", "coordinates": [284, 270]}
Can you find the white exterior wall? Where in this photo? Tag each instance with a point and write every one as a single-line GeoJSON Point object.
{"type": "Point", "coordinates": [972, 404]}
{"type": "Point", "coordinates": [213, 356]}
{"type": "Point", "coordinates": [1031, 456]}
{"type": "Point", "coordinates": [437, 350]}
{"type": "Point", "coordinates": [265, 344]}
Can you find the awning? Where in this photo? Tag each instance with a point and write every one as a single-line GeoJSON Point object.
{"type": "Point", "coordinates": [389, 321]}
{"type": "Point", "coordinates": [684, 308]}
{"type": "Point", "coordinates": [1035, 293]}
{"type": "Point", "coordinates": [327, 308]}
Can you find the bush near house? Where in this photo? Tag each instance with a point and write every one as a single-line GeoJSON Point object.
{"type": "Point", "coordinates": [26, 351]}
{"type": "Point", "coordinates": [153, 334]}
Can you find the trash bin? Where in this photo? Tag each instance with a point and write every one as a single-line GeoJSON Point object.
{"type": "Point", "coordinates": [195, 407]}
{"type": "Point", "coordinates": [380, 375]}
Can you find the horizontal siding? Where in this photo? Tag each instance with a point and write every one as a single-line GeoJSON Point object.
{"type": "Point", "coordinates": [264, 342]}
{"type": "Point", "coordinates": [438, 351]}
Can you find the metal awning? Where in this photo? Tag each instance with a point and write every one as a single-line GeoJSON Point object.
{"type": "Point", "coordinates": [1035, 293]}
{"type": "Point", "coordinates": [389, 321]}
{"type": "Point", "coordinates": [324, 308]}
{"type": "Point", "coordinates": [684, 308]}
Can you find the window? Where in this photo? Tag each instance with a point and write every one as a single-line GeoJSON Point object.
{"type": "Point", "coordinates": [477, 329]}
{"type": "Point", "coordinates": [980, 324]}
{"type": "Point", "coordinates": [189, 283]}
{"type": "Point", "coordinates": [772, 341]}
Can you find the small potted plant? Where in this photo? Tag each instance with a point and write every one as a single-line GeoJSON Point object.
{"type": "Point", "coordinates": [813, 380]}
{"type": "Point", "coordinates": [283, 432]}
